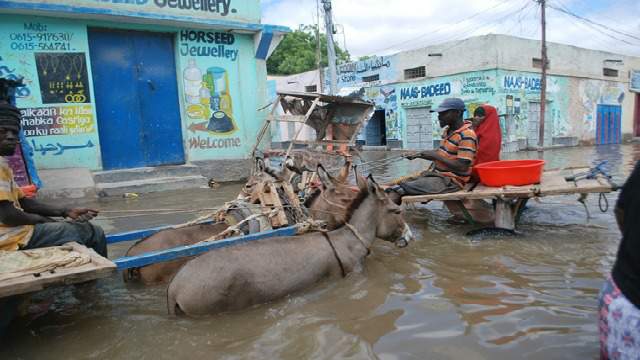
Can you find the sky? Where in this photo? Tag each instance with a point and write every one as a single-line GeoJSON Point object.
{"type": "Point", "coordinates": [383, 27]}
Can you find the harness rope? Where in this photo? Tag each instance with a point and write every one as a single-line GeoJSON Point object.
{"type": "Point", "coordinates": [335, 253]}
{"type": "Point", "coordinates": [355, 232]}
{"type": "Point", "coordinates": [358, 236]}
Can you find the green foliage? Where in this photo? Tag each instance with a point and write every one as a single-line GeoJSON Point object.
{"type": "Point", "coordinates": [297, 53]}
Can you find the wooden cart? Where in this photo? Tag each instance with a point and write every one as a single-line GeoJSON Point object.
{"type": "Point", "coordinates": [509, 200]}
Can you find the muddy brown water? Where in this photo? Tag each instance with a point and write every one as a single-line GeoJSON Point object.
{"type": "Point", "coordinates": [446, 296]}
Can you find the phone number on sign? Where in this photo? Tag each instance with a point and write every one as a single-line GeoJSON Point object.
{"type": "Point", "coordinates": [40, 41]}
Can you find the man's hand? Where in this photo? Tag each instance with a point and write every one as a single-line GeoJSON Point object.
{"type": "Point", "coordinates": [81, 214]}
{"type": "Point", "coordinates": [429, 155]}
{"type": "Point", "coordinates": [412, 155]}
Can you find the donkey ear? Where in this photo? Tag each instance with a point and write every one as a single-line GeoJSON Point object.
{"type": "Point", "coordinates": [325, 178]}
{"type": "Point", "coordinates": [344, 172]}
{"type": "Point", "coordinates": [374, 188]}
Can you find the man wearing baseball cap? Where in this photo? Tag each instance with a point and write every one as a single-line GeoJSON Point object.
{"type": "Point", "coordinates": [451, 168]}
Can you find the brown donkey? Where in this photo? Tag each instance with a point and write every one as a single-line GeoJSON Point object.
{"type": "Point", "coordinates": [235, 277]}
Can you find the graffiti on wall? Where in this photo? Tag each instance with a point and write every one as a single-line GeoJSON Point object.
{"type": "Point", "coordinates": [369, 72]}
{"type": "Point", "coordinates": [63, 78]}
{"type": "Point", "coordinates": [58, 120]}
{"type": "Point", "coordinates": [56, 105]}
{"type": "Point", "coordinates": [594, 93]}
{"type": "Point", "coordinates": [476, 85]}
{"type": "Point", "coordinates": [521, 95]}
{"type": "Point", "coordinates": [57, 149]}
{"type": "Point", "coordinates": [207, 89]}
{"type": "Point", "coordinates": [10, 73]}
{"type": "Point", "coordinates": [425, 91]}
{"type": "Point", "coordinates": [385, 99]}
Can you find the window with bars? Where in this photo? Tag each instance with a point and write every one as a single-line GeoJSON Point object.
{"type": "Point", "coordinates": [371, 78]}
{"type": "Point", "coordinates": [417, 72]}
{"type": "Point", "coordinates": [537, 63]}
{"type": "Point", "coordinates": [311, 88]}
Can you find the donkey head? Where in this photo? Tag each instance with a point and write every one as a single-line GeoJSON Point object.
{"type": "Point", "coordinates": [390, 224]}
{"type": "Point", "coordinates": [331, 201]}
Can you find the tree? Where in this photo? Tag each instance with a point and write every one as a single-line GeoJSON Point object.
{"type": "Point", "coordinates": [297, 53]}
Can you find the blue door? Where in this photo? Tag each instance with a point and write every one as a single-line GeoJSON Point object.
{"type": "Point", "coordinates": [375, 129]}
{"type": "Point", "coordinates": [134, 78]}
{"type": "Point", "coordinates": [609, 124]}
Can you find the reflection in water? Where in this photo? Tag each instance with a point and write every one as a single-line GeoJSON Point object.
{"type": "Point", "coordinates": [443, 297]}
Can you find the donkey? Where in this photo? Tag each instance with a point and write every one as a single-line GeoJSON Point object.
{"type": "Point", "coordinates": [233, 278]}
{"type": "Point", "coordinates": [162, 272]}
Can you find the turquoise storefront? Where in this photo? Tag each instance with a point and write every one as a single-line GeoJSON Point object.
{"type": "Point", "coordinates": [114, 84]}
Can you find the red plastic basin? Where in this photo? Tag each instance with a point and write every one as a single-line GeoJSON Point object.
{"type": "Point", "coordinates": [510, 172]}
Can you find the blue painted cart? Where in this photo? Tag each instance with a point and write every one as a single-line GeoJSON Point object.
{"type": "Point", "coordinates": [185, 251]}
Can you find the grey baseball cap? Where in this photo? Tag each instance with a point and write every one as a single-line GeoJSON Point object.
{"type": "Point", "coordinates": [450, 104]}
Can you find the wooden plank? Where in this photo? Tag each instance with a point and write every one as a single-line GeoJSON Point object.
{"type": "Point", "coordinates": [313, 142]}
{"type": "Point", "coordinates": [265, 126]}
{"type": "Point", "coordinates": [139, 234]}
{"type": "Point", "coordinates": [99, 267]}
{"type": "Point", "coordinates": [288, 118]}
{"type": "Point", "coordinates": [196, 249]}
{"type": "Point", "coordinates": [505, 215]}
{"type": "Point", "coordinates": [552, 183]}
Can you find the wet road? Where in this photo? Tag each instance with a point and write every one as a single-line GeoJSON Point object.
{"type": "Point", "coordinates": [445, 297]}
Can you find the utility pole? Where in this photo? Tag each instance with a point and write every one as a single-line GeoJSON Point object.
{"type": "Point", "coordinates": [331, 50]}
{"type": "Point", "coordinates": [318, 51]}
{"type": "Point", "coordinates": [543, 79]}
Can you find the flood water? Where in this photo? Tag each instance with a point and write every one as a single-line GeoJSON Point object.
{"type": "Point", "coordinates": [446, 296]}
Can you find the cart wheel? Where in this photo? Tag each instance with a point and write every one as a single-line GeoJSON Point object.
{"type": "Point", "coordinates": [240, 212]}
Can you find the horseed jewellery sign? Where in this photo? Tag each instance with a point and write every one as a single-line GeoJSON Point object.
{"type": "Point", "coordinates": [237, 10]}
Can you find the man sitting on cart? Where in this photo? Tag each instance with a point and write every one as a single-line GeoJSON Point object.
{"type": "Point", "coordinates": [27, 223]}
{"type": "Point", "coordinates": [451, 168]}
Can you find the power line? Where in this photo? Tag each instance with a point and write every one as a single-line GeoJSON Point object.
{"type": "Point", "coordinates": [440, 28]}
{"type": "Point", "coordinates": [499, 20]}
{"type": "Point", "coordinates": [601, 35]}
{"type": "Point", "coordinates": [594, 23]}
{"type": "Point", "coordinates": [521, 16]}
{"type": "Point", "coordinates": [474, 28]}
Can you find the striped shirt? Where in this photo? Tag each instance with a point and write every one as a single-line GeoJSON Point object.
{"type": "Point", "coordinates": [12, 237]}
{"type": "Point", "coordinates": [462, 145]}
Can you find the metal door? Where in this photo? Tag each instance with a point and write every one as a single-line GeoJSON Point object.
{"type": "Point", "coordinates": [608, 125]}
{"type": "Point", "coordinates": [419, 129]}
{"type": "Point", "coordinates": [375, 129]}
{"type": "Point", "coordinates": [533, 127]}
{"type": "Point", "coordinates": [158, 92]}
{"type": "Point", "coordinates": [135, 83]}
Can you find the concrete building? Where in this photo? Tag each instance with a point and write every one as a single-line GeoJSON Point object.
{"type": "Point", "coordinates": [116, 84]}
{"type": "Point", "coordinates": [591, 98]}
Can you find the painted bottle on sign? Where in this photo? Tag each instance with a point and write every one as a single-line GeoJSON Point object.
{"type": "Point", "coordinates": [192, 79]}
{"type": "Point", "coordinates": [205, 99]}
{"type": "Point", "coordinates": [217, 81]}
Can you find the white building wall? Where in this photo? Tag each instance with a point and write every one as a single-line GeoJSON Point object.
{"type": "Point", "coordinates": [587, 86]}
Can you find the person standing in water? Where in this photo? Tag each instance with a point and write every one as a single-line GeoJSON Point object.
{"type": "Point", "coordinates": [619, 299]}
